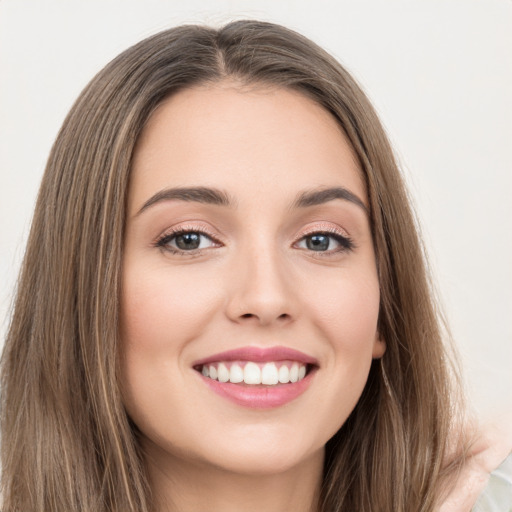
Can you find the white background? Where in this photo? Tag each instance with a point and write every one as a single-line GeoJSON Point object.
{"type": "Point", "coordinates": [438, 71]}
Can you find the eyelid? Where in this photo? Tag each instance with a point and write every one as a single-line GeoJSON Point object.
{"type": "Point", "coordinates": [345, 242]}
{"type": "Point", "coordinates": [186, 228]}
{"type": "Point", "coordinates": [323, 227]}
{"type": "Point", "coordinates": [327, 228]}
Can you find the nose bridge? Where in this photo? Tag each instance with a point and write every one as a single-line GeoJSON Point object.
{"type": "Point", "coordinates": [262, 288]}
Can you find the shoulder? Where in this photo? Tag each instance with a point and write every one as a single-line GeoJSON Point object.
{"type": "Point", "coordinates": [485, 479]}
{"type": "Point", "coordinates": [497, 496]}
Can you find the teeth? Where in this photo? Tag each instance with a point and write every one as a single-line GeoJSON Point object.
{"type": "Point", "coordinates": [269, 374]}
{"type": "Point", "coordinates": [284, 374]}
{"type": "Point", "coordinates": [252, 374]}
{"type": "Point", "coordinates": [294, 373]}
{"type": "Point", "coordinates": [236, 374]}
{"type": "Point", "coordinates": [222, 373]}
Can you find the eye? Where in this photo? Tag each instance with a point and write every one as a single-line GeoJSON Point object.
{"type": "Point", "coordinates": [186, 241]}
{"type": "Point", "coordinates": [325, 242]}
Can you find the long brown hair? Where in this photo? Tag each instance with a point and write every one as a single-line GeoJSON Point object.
{"type": "Point", "coordinates": [67, 444]}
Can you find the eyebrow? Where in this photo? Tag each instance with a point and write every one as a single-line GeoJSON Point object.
{"type": "Point", "coordinates": [207, 195]}
{"type": "Point", "coordinates": [324, 195]}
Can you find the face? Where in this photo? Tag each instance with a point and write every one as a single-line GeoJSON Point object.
{"type": "Point", "coordinates": [250, 295]}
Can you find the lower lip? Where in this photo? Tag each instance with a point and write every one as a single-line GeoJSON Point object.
{"type": "Point", "coordinates": [264, 397]}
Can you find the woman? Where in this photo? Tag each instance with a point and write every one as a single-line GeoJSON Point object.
{"type": "Point", "coordinates": [224, 303]}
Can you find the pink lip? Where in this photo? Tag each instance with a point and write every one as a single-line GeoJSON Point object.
{"type": "Point", "coordinates": [259, 397]}
{"type": "Point", "coordinates": [259, 355]}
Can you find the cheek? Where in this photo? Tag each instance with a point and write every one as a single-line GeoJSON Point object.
{"type": "Point", "coordinates": [346, 318]}
{"type": "Point", "coordinates": [163, 309]}
{"type": "Point", "coordinates": [348, 312]}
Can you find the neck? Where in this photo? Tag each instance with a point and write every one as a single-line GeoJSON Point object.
{"type": "Point", "coordinates": [189, 487]}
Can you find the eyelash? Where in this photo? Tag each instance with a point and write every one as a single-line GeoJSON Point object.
{"type": "Point", "coordinates": [346, 243]}
{"type": "Point", "coordinates": [163, 241]}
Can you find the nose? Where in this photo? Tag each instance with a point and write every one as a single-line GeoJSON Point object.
{"type": "Point", "coordinates": [261, 289]}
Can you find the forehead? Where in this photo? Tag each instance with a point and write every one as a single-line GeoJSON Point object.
{"type": "Point", "coordinates": [249, 141]}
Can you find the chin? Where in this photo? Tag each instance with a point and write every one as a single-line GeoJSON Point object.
{"type": "Point", "coordinates": [262, 453]}
{"type": "Point", "coordinates": [259, 462]}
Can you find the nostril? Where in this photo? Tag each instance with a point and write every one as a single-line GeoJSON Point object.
{"type": "Point", "coordinates": [283, 316]}
{"type": "Point", "coordinates": [265, 318]}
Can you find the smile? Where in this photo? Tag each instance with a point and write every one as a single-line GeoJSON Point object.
{"type": "Point", "coordinates": [252, 373]}
{"type": "Point", "coordinates": [258, 378]}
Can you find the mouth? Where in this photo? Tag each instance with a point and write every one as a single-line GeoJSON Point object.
{"type": "Point", "coordinates": [252, 373]}
{"type": "Point", "coordinates": [258, 378]}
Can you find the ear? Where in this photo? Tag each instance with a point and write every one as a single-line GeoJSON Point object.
{"type": "Point", "coordinates": [379, 346]}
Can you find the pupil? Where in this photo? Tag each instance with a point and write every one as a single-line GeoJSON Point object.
{"type": "Point", "coordinates": [317, 242]}
{"type": "Point", "coordinates": [188, 241]}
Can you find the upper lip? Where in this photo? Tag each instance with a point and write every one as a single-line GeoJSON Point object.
{"type": "Point", "coordinates": [259, 355]}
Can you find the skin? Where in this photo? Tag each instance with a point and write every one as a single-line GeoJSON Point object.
{"type": "Point", "coordinates": [254, 283]}
{"type": "Point", "coordinates": [492, 444]}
